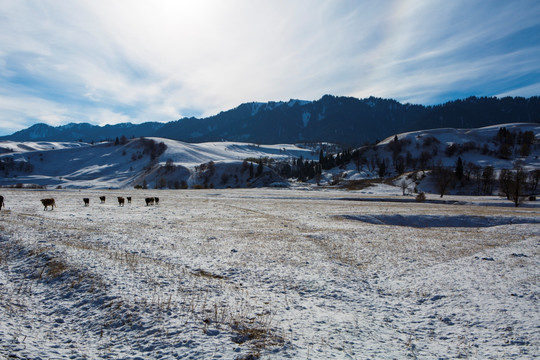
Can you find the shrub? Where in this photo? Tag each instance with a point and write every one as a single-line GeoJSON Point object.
{"type": "Point", "coordinates": [421, 197]}
{"type": "Point", "coordinates": [224, 178]}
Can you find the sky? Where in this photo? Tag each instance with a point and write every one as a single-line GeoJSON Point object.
{"type": "Point", "coordinates": [109, 62]}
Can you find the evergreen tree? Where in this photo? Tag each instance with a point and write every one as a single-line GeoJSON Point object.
{"type": "Point", "coordinates": [399, 164]}
{"type": "Point", "coordinates": [487, 179]}
{"type": "Point", "coordinates": [260, 168]}
{"type": "Point", "coordinates": [286, 170]}
{"type": "Point", "coordinates": [459, 169]}
{"type": "Point", "coordinates": [382, 169]}
{"type": "Point", "coordinates": [534, 178]}
{"type": "Point", "coordinates": [310, 169]}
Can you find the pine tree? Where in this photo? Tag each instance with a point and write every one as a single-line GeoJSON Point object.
{"type": "Point", "coordinates": [260, 168]}
{"type": "Point", "coordinates": [382, 169]}
{"type": "Point", "coordinates": [459, 169]}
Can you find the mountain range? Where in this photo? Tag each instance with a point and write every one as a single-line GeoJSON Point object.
{"type": "Point", "coordinates": [344, 120]}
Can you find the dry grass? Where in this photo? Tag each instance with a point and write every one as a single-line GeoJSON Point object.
{"type": "Point", "coordinates": [259, 334]}
{"type": "Point", "coordinates": [361, 184]}
{"type": "Point", "coordinates": [207, 274]}
{"type": "Point", "coordinates": [56, 267]}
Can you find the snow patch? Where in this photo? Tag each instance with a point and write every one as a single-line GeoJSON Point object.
{"type": "Point", "coordinates": [255, 107]}
{"type": "Point", "coordinates": [306, 116]}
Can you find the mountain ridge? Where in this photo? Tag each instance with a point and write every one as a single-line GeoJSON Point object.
{"type": "Point", "coordinates": [337, 119]}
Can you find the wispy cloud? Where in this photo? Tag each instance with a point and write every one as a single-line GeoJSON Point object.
{"type": "Point", "coordinates": [108, 62]}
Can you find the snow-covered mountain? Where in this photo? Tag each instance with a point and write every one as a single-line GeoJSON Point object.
{"type": "Point", "coordinates": [343, 120]}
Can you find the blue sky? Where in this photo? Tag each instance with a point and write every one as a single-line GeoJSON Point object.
{"type": "Point", "coordinates": [107, 62]}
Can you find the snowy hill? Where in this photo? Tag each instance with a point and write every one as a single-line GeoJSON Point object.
{"type": "Point", "coordinates": [164, 163]}
{"type": "Point", "coordinates": [105, 165]}
{"type": "Point", "coordinates": [442, 141]}
{"type": "Point", "coordinates": [14, 146]}
{"type": "Point", "coordinates": [427, 160]}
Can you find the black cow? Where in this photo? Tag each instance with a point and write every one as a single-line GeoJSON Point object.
{"type": "Point", "coordinates": [48, 202]}
{"type": "Point", "coordinates": [120, 201]}
{"type": "Point", "coordinates": [86, 201]}
{"type": "Point", "coordinates": [149, 201]}
{"type": "Point", "coordinates": [128, 199]}
{"type": "Point", "coordinates": [102, 199]}
{"type": "Point", "coordinates": [1, 202]}
{"type": "Point", "coordinates": [156, 200]}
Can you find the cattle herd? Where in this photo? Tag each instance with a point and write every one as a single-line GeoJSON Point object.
{"type": "Point", "coordinates": [86, 201]}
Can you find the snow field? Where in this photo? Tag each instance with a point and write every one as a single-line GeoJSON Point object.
{"type": "Point", "coordinates": [270, 273]}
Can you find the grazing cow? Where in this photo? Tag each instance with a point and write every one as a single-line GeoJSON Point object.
{"type": "Point", "coordinates": [102, 199]}
{"type": "Point", "coordinates": [156, 200]}
{"type": "Point", "coordinates": [1, 202]}
{"type": "Point", "coordinates": [48, 202]}
{"type": "Point", "coordinates": [149, 201]}
{"type": "Point", "coordinates": [120, 201]}
{"type": "Point", "coordinates": [128, 199]}
{"type": "Point", "coordinates": [86, 201]}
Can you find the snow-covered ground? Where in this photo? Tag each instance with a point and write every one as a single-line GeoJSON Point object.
{"type": "Point", "coordinates": [269, 273]}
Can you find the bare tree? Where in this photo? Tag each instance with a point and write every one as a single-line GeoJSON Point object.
{"type": "Point", "coordinates": [445, 178]}
{"type": "Point", "coordinates": [488, 176]}
{"type": "Point", "coordinates": [505, 181]}
{"type": "Point", "coordinates": [404, 184]}
{"type": "Point", "coordinates": [517, 186]}
{"type": "Point", "coordinates": [534, 179]}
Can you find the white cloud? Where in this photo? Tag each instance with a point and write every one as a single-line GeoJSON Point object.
{"type": "Point", "coordinates": [525, 91]}
{"type": "Point", "coordinates": [150, 61]}
{"type": "Point", "coordinates": [104, 116]}
{"type": "Point", "coordinates": [19, 112]}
